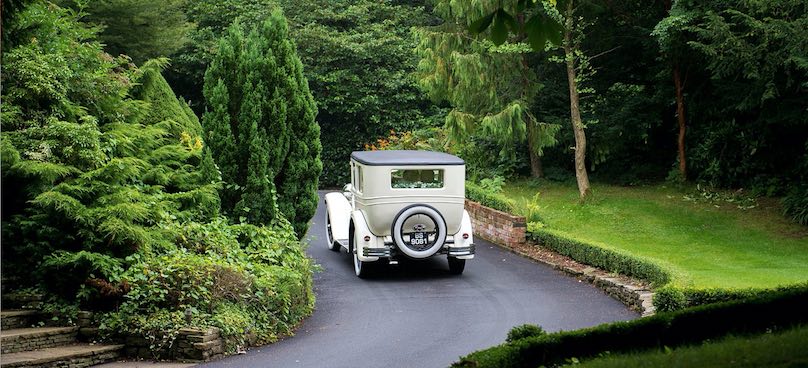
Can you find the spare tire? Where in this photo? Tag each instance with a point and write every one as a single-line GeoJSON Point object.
{"type": "Point", "coordinates": [428, 242]}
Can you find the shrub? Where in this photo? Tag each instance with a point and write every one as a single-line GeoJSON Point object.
{"type": "Point", "coordinates": [599, 257]}
{"type": "Point", "coordinates": [524, 331]}
{"type": "Point", "coordinates": [781, 309]}
{"type": "Point", "coordinates": [795, 204]}
{"type": "Point", "coordinates": [239, 278]}
{"type": "Point", "coordinates": [488, 198]}
{"type": "Point", "coordinates": [669, 299]}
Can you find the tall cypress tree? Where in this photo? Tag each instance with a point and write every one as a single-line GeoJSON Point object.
{"type": "Point", "coordinates": [259, 100]}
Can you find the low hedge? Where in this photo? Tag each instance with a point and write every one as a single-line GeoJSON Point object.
{"type": "Point", "coordinates": [602, 258]}
{"type": "Point", "coordinates": [668, 299]}
{"type": "Point", "coordinates": [488, 198]}
{"type": "Point", "coordinates": [776, 310]}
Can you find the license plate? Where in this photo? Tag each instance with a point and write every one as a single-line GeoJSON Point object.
{"type": "Point", "coordinates": [419, 239]}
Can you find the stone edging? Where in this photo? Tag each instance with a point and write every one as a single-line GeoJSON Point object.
{"type": "Point", "coordinates": [635, 294]}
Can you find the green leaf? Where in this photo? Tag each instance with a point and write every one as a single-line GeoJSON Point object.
{"type": "Point", "coordinates": [499, 32]}
{"type": "Point", "coordinates": [536, 36]}
{"type": "Point", "coordinates": [509, 20]}
{"type": "Point", "coordinates": [554, 31]}
{"type": "Point", "coordinates": [481, 24]}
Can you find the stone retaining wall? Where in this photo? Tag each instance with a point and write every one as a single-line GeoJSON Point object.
{"type": "Point", "coordinates": [38, 340]}
{"type": "Point", "coordinates": [496, 226]}
{"type": "Point", "coordinates": [192, 344]}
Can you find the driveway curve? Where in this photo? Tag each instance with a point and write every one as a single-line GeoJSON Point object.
{"type": "Point", "coordinates": [418, 315]}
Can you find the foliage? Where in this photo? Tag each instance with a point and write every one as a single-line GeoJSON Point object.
{"type": "Point", "coordinates": [426, 139]}
{"type": "Point", "coordinates": [779, 310]}
{"type": "Point", "coordinates": [746, 61]}
{"type": "Point", "coordinates": [488, 198]}
{"type": "Point", "coordinates": [606, 259]}
{"type": "Point", "coordinates": [240, 278]}
{"type": "Point", "coordinates": [262, 122]}
{"type": "Point", "coordinates": [523, 332]}
{"type": "Point", "coordinates": [539, 27]}
{"type": "Point", "coordinates": [110, 196]}
{"type": "Point", "coordinates": [211, 19]}
{"type": "Point", "coordinates": [358, 59]}
{"type": "Point", "coordinates": [140, 29]}
{"type": "Point", "coordinates": [489, 87]}
{"type": "Point", "coordinates": [672, 299]}
{"type": "Point", "coordinates": [795, 204]}
{"type": "Point", "coordinates": [91, 171]}
{"type": "Point", "coordinates": [783, 348]}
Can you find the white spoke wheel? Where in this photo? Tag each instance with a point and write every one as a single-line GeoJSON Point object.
{"type": "Point", "coordinates": [456, 266]}
{"type": "Point", "coordinates": [332, 244]}
{"type": "Point", "coordinates": [360, 268]}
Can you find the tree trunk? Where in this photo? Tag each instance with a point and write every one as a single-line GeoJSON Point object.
{"type": "Point", "coordinates": [575, 112]}
{"type": "Point", "coordinates": [536, 169]}
{"type": "Point", "coordinates": [680, 115]}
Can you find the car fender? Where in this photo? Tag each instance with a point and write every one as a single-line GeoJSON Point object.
{"type": "Point", "coordinates": [465, 228]}
{"type": "Point", "coordinates": [339, 211]}
{"type": "Point", "coordinates": [361, 229]}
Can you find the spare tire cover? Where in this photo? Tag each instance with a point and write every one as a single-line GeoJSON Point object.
{"type": "Point", "coordinates": [434, 240]}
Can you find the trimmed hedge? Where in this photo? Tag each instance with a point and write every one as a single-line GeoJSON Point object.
{"type": "Point", "coordinates": [670, 299]}
{"type": "Point", "coordinates": [488, 198]}
{"type": "Point", "coordinates": [777, 310]}
{"type": "Point", "coordinates": [602, 258]}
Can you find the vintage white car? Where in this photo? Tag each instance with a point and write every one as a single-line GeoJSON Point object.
{"type": "Point", "coordinates": [401, 204]}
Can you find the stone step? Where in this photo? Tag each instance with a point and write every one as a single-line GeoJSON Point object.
{"type": "Point", "coordinates": [11, 319]}
{"type": "Point", "coordinates": [73, 356]}
{"type": "Point", "coordinates": [25, 339]}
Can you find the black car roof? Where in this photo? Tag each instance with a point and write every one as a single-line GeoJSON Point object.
{"type": "Point", "coordinates": [405, 158]}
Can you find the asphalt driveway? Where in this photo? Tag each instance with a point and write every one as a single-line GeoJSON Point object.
{"type": "Point", "coordinates": [418, 315]}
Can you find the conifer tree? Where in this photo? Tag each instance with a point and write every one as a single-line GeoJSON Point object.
{"type": "Point", "coordinates": [259, 103]}
{"type": "Point", "coordinates": [489, 87]}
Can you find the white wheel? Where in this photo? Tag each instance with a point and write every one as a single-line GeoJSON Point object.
{"type": "Point", "coordinates": [332, 245]}
{"type": "Point", "coordinates": [360, 268]}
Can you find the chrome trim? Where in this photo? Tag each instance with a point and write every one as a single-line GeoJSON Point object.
{"type": "Point", "coordinates": [376, 252]}
{"type": "Point", "coordinates": [461, 251]}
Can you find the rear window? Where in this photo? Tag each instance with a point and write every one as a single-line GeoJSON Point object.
{"type": "Point", "coordinates": [416, 179]}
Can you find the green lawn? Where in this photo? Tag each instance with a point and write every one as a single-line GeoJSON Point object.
{"type": "Point", "coordinates": [703, 244]}
{"type": "Point", "coordinates": [787, 349]}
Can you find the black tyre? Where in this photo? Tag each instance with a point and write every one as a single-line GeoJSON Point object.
{"type": "Point", "coordinates": [332, 244]}
{"type": "Point", "coordinates": [456, 266]}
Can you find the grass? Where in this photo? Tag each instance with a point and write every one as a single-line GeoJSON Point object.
{"type": "Point", "coordinates": [703, 243]}
{"type": "Point", "coordinates": [785, 349]}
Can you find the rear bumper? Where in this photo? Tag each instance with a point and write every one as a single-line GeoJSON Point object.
{"type": "Point", "coordinates": [389, 251]}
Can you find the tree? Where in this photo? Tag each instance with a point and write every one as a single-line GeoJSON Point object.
{"type": "Point", "coordinates": [141, 29]}
{"type": "Point", "coordinates": [211, 18]}
{"type": "Point", "coordinates": [746, 89]}
{"type": "Point", "coordinates": [91, 171]}
{"type": "Point", "coordinates": [490, 88]}
{"type": "Point", "coordinates": [359, 61]}
{"type": "Point", "coordinates": [261, 116]}
{"type": "Point", "coordinates": [571, 47]}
